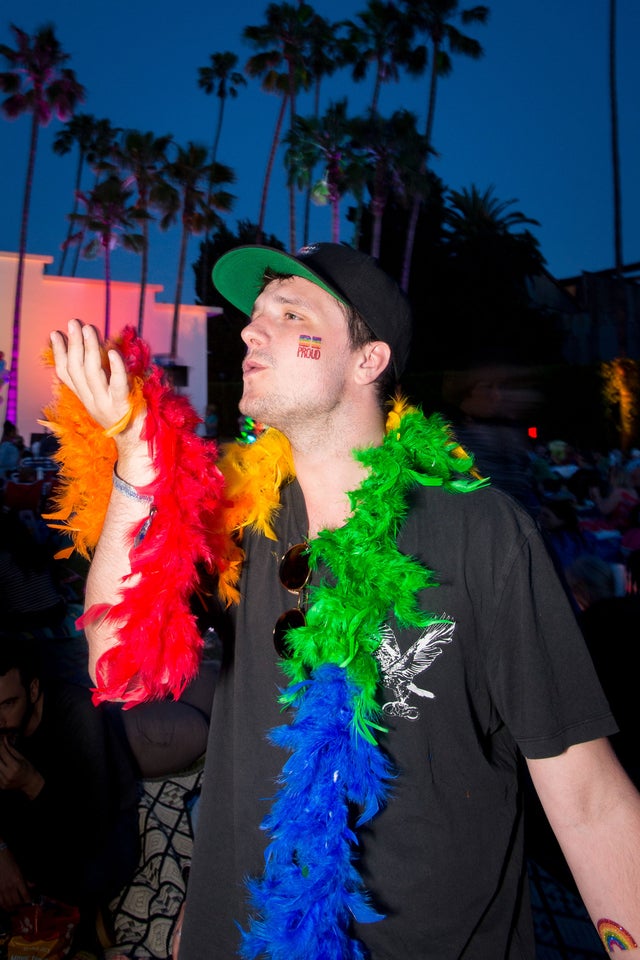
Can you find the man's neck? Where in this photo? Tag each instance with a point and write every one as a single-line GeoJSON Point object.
{"type": "Point", "coordinates": [327, 471]}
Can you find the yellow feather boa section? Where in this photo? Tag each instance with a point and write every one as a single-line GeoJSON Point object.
{"type": "Point", "coordinates": [254, 475]}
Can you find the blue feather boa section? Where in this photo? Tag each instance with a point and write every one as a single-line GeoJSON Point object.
{"type": "Point", "coordinates": [310, 890]}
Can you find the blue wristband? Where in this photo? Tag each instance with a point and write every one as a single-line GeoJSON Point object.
{"type": "Point", "coordinates": [127, 489]}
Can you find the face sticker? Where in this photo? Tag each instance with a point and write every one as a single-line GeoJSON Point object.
{"type": "Point", "coordinates": [614, 936]}
{"type": "Point", "coordinates": [309, 347]}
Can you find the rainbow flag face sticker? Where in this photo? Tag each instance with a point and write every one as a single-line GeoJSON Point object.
{"type": "Point", "coordinates": [614, 936]}
{"type": "Point", "coordinates": [309, 347]}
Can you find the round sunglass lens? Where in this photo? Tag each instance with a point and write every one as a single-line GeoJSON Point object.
{"type": "Point", "coordinates": [294, 568]}
{"type": "Point", "coordinates": [285, 622]}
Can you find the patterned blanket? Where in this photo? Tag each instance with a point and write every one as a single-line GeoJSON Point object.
{"type": "Point", "coordinates": [145, 912]}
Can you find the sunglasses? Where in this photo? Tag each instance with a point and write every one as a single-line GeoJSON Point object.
{"type": "Point", "coordinates": [294, 573]}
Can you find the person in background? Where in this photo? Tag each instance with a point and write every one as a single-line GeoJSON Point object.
{"type": "Point", "coordinates": [68, 794]}
{"type": "Point", "coordinates": [30, 594]}
{"type": "Point", "coordinates": [615, 505]}
{"type": "Point", "coordinates": [9, 450]}
{"type": "Point", "coordinates": [409, 578]}
{"type": "Point", "coordinates": [211, 421]}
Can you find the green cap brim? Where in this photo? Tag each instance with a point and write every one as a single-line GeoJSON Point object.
{"type": "Point", "coordinates": [238, 274]}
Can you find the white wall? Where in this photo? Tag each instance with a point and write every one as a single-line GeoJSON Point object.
{"type": "Point", "coordinates": [49, 302]}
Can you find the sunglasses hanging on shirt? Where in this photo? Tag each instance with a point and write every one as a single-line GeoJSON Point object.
{"type": "Point", "coordinates": [294, 573]}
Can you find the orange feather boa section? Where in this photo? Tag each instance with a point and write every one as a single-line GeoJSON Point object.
{"type": "Point", "coordinates": [159, 647]}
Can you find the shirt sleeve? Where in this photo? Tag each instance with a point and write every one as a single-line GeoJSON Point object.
{"type": "Point", "coordinates": [543, 679]}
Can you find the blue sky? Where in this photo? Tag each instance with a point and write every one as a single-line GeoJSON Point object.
{"type": "Point", "coordinates": [531, 118]}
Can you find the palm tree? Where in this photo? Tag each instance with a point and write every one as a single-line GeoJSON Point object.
{"type": "Point", "coordinates": [110, 217]}
{"type": "Point", "coordinates": [324, 56]}
{"type": "Point", "coordinates": [383, 37]}
{"type": "Point", "coordinates": [490, 256]}
{"type": "Point", "coordinates": [99, 156]}
{"type": "Point", "coordinates": [489, 244]}
{"type": "Point", "coordinates": [437, 19]}
{"type": "Point", "coordinates": [281, 62]}
{"type": "Point", "coordinates": [328, 140]}
{"type": "Point", "coordinates": [80, 131]}
{"type": "Point", "coordinates": [395, 151]}
{"type": "Point", "coordinates": [300, 157]}
{"type": "Point", "coordinates": [191, 175]}
{"type": "Point", "coordinates": [142, 158]}
{"type": "Point", "coordinates": [625, 370]}
{"type": "Point", "coordinates": [39, 84]}
{"type": "Point", "coordinates": [475, 215]}
{"type": "Point", "coordinates": [221, 78]}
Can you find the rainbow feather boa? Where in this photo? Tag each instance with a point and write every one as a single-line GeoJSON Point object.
{"type": "Point", "coordinates": [159, 647]}
{"type": "Point", "coordinates": [310, 890]}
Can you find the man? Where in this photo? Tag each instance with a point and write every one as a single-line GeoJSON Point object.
{"type": "Point", "coordinates": [450, 599]}
{"type": "Point", "coordinates": [68, 825]}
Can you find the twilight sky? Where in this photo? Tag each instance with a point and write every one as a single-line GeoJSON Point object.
{"type": "Point", "coordinates": [531, 118]}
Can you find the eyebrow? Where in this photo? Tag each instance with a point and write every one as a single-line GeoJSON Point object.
{"type": "Point", "coordinates": [291, 301]}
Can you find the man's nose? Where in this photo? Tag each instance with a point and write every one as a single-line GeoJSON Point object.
{"type": "Point", "coordinates": [254, 332]}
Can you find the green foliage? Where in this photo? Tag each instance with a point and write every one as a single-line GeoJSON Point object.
{"type": "Point", "coordinates": [110, 215]}
{"type": "Point", "coordinates": [221, 241]}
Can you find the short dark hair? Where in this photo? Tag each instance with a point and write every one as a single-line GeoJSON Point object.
{"type": "Point", "coordinates": [22, 654]}
{"type": "Point", "coordinates": [360, 333]}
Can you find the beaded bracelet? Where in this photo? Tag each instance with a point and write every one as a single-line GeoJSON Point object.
{"type": "Point", "coordinates": [127, 489]}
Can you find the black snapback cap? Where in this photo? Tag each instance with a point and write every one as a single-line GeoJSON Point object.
{"type": "Point", "coordinates": [351, 276]}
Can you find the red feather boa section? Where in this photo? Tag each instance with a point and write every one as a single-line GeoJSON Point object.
{"type": "Point", "coordinates": [159, 647]}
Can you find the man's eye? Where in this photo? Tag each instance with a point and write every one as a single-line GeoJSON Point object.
{"type": "Point", "coordinates": [291, 316]}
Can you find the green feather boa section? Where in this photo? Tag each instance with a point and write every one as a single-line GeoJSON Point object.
{"type": "Point", "coordinates": [369, 577]}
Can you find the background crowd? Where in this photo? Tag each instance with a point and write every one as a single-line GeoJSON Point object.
{"type": "Point", "coordinates": [586, 502]}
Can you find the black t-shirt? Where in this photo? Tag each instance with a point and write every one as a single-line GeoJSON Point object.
{"type": "Point", "coordinates": [510, 673]}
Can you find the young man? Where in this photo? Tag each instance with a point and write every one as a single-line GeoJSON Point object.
{"type": "Point", "coordinates": [441, 607]}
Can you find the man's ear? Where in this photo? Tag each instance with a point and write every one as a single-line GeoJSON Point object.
{"type": "Point", "coordinates": [375, 357]}
{"type": "Point", "coordinates": [34, 690]}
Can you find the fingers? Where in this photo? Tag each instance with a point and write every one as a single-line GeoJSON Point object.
{"type": "Point", "coordinates": [84, 364]}
{"type": "Point", "coordinates": [69, 354]}
{"type": "Point", "coordinates": [79, 365]}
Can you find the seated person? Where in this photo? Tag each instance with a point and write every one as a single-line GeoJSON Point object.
{"type": "Point", "coordinates": [9, 451]}
{"type": "Point", "coordinates": [68, 796]}
{"type": "Point", "coordinates": [616, 503]}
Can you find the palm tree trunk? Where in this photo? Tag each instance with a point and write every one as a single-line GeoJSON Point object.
{"type": "Point", "coordinates": [12, 389]}
{"type": "Point", "coordinates": [144, 272]}
{"type": "Point", "coordinates": [307, 199]}
{"type": "Point", "coordinates": [335, 219]}
{"type": "Point", "coordinates": [65, 247]}
{"type": "Point", "coordinates": [292, 186]}
{"type": "Point", "coordinates": [207, 235]}
{"type": "Point", "coordinates": [412, 226]}
{"type": "Point", "coordinates": [625, 393]}
{"type": "Point", "coordinates": [83, 231]}
{"type": "Point", "coordinates": [621, 319]}
{"type": "Point", "coordinates": [216, 139]}
{"type": "Point", "coordinates": [409, 243]}
{"type": "Point", "coordinates": [377, 208]}
{"type": "Point", "coordinates": [376, 93]}
{"type": "Point", "coordinates": [176, 305]}
{"type": "Point", "coordinates": [267, 176]}
{"type": "Point", "coordinates": [107, 287]}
